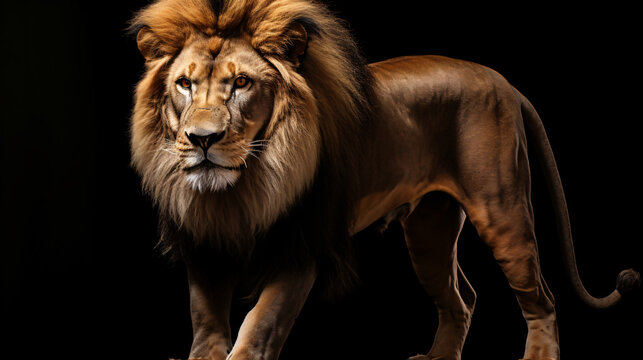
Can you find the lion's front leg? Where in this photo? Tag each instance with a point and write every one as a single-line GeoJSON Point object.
{"type": "Point", "coordinates": [266, 327]}
{"type": "Point", "coordinates": [210, 299]}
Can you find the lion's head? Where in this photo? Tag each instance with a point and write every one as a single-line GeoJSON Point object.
{"type": "Point", "coordinates": [246, 108]}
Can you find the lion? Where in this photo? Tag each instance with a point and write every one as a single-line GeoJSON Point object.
{"type": "Point", "coordinates": [266, 141]}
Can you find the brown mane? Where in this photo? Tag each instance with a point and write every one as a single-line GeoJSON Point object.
{"type": "Point", "coordinates": [308, 162]}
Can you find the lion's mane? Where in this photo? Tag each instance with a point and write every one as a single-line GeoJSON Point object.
{"type": "Point", "coordinates": [292, 204]}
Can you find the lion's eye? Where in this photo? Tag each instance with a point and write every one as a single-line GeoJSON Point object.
{"type": "Point", "coordinates": [184, 83]}
{"type": "Point", "coordinates": [241, 82]}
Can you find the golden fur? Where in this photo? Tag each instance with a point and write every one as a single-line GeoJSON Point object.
{"type": "Point", "coordinates": [426, 141]}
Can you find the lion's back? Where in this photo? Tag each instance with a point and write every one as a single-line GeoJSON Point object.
{"type": "Point", "coordinates": [438, 79]}
{"type": "Point", "coordinates": [420, 90]}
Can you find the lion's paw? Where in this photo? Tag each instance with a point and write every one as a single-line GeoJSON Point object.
{"type": "Point", "coordinates": [419, 357]}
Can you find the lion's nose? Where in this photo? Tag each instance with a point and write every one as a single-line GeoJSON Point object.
{"type": "Point", "coordinates": [205, 141]}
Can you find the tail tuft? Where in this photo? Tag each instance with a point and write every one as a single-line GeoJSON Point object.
{"type": "Point", "coordinates": [627, 281]}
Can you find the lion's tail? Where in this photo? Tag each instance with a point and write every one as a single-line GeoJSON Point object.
{"type": "Point", "coordinates": [628, 279]}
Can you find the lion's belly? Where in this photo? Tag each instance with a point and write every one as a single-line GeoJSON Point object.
{"type": "Point", "coordinates": [375, 206]}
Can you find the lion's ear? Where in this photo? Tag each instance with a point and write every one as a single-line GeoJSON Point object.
{"type": "Point", "coordinates": [298, 41]}
{"type": "Point", "coordinates": [148, 44]}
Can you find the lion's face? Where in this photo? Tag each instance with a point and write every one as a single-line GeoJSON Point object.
{"type": "Point", "coordinates": [219, 98]}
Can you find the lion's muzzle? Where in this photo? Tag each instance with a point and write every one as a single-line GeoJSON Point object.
{"type": "Point", "coordinates": [205, 141]}
{"type": "Point", "coordinates": [207, 127]}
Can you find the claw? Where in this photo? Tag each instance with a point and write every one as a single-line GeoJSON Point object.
{"type": "Point", "coordinates": [418, 357]}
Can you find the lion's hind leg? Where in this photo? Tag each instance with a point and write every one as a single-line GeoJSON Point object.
{"type": "Point", "coordinates": [507, 228]}
{"type": "Point", "coordinates": [431, 233]}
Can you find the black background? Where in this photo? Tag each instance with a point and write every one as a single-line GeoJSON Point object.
{"type": "Point", "coordinates": [80, 278]}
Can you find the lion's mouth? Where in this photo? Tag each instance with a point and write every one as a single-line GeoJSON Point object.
{"type": "Point", "coordinates": [209, 165]}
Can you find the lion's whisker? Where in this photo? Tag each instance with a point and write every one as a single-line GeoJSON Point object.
{"type": "Point", "coordinates": [171, 151]}
{"type": "Point", "coordinates": [248, 152]}
{"type": "Point", "coordinates": [251, 153]}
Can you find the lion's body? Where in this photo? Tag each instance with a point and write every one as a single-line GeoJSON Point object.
{"type": "Point", "coordinates": [446, 123]}
{"type": "Point", "coordinates": [456, 144]}
{"type": "Point", "coordinates": [266, 141]}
